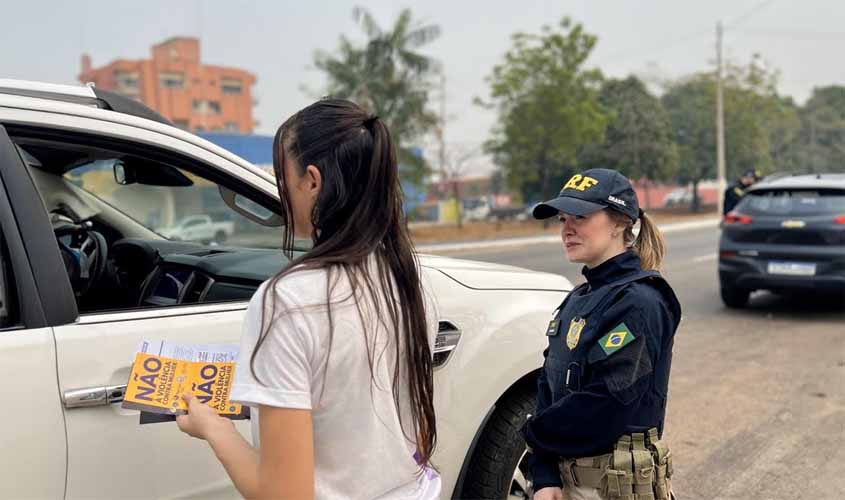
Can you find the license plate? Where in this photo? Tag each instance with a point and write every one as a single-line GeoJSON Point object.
{"type": "Point", "coordinates": [792, 268]}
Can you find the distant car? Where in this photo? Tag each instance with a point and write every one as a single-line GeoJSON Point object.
{"type": "Point", "coordinates": [514, 212]}
{"type": "Point", "coordinates": [679, 196]}
{"type": "Point", "coordinates": [199, 228]}
{"type": "Point", "coordinates": [476, 208]}
{"type": "Point", "coordinates": [786, 234]}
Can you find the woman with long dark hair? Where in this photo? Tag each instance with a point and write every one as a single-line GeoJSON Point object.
{"type": "Point", "coordinates": [336, 354]}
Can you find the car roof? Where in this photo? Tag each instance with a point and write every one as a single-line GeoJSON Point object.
{"type": "Point", "coordinates": [86, 95]}
{"type": "Point", "coordinates": [801, 181]}
{"type": "Point", "coordinates": [90, 102]}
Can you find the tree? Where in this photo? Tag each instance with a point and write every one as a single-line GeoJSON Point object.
{"type": "Point", "coordinates": [389, 77]}
{"type": "Point", "coordinates": [820, 145]}
{"type": "Point", "coordinates": [638, 139]}
{"type": "Point", "coordinates": [547, 107]}
{"type": "Point", "coordinates": [758, 122]}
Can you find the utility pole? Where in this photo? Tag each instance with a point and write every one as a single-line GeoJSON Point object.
{"type": "Point", "coordinates": [441, 130]}
{"type": "Point", "coordinates": [720, 121]}
{"type": "Point", "coordinates": [447, 174]}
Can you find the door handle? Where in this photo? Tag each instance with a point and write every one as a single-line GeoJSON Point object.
{"type": "Point", "coordinates": [94, 396]}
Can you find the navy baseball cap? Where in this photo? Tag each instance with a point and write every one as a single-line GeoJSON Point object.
{"type": "Point", "coordinates": [591, 191]}
{"type": "Point", "coordinates": [754, 174]}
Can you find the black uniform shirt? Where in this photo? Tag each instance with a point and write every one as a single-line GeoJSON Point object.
{"type": "Point", "coordinates": [606, 370]}
{"type": "Point", "coordinates": [733, 195]}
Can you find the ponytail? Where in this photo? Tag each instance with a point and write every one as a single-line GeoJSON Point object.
{"type": "Point", "coordinates": [649, 244]}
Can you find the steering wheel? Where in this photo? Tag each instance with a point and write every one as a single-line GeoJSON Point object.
{"type": "Point", "coordinates": [84, 252]}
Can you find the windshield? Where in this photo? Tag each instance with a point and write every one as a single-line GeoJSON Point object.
{"type": "Point", "coordinates": [195, 213]}
{"type": "Point", "coordinates": [799, 202]}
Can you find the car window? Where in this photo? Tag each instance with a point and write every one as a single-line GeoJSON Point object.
{"type": "Point", "coordinates": [171, 210]}
{"type": "Point", "coordinates": [797, 202]}
{"type": "Point", "coordinates": [8, 307]}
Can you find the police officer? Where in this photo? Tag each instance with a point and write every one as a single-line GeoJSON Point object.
{"type": "Point", "coordinates": [735, 193]}
{"type": "Point", "coordinates": [601, 396]}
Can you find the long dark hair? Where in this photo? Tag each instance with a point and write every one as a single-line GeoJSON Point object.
{"type": "Point", "coordinates": [358, 213]}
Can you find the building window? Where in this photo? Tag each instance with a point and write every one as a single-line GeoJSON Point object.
{"type": "Point", "coordinates": [231, 86]}
{"type": "Point", "coordinates": [231, 127]}
{"type": "Point", "coordinates": [126, 82]}
{"type": "Point", "coordinates": [128, 79]}
{"type": "Point", "coordinates": [172, 80]}
{"type": "Point", "coordinates": [206, 107]}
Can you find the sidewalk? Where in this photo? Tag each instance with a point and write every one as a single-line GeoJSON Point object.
{"type": "Point", "coordinates": [549, 238]}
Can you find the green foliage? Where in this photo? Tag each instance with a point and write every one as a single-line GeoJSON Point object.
{"type": "Point", "coordinates": [638, 140]}
{"type": "Point", "coordinates": [547, 106]}
{"type": "Point", "coordinates": [389, 77]}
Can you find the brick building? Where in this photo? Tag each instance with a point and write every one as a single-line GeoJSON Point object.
{"type": "Point", "coordinates": [195, 96]}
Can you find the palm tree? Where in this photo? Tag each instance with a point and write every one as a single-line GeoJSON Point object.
{"type": "Point", "coordinates": [389, 77]}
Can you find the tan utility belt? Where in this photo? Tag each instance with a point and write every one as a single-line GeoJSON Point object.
{"type": "Point", "coordinates": [639, 468]}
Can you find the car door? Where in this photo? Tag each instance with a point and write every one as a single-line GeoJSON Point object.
{"type": "Point", "coordinates": [109, 455]}
{"type": "Point", "coordinates": [33, 440]}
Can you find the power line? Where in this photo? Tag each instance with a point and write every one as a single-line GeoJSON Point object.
{"type": "Point", "coordinates": [659, 47]}
{"type": "Point", "coordinates": [796, 35]}
{"type": "Point", "coordinates": [745, 16]}
{"type": "Point", "coordinates": [674, 43]}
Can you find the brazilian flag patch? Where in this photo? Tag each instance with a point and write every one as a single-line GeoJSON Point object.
{"type": "Point", "coordinates": [618, 338]}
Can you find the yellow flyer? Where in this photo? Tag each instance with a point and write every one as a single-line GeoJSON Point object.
{"type": "Point", "coordinates": [157, 383]}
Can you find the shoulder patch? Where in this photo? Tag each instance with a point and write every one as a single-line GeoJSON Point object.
{"type": "Point", "coordinates": [616, 339]}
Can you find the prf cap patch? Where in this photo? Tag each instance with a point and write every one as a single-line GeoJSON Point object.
{"type": "Point", "coordinates": [618, 338]}
{"type": "Point", "coordinates": [580, 182]}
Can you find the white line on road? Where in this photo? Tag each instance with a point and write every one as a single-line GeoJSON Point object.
{"type": "Point", "coordinates": [705, 258]}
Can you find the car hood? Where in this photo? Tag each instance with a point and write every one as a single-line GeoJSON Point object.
{"type": "Point", "coordinates": [486, 276]}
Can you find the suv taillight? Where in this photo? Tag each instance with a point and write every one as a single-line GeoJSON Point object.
{"type": "Point", "coordinates": [839, 220]}
{"type": "Point", "coordinates": [737, 218]}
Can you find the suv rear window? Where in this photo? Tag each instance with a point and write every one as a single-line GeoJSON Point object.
{"type": "Point", "coordinates": [793, 202]}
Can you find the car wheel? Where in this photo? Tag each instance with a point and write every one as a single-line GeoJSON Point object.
{"type": "Point", "coordinates": [735, 298]}
{"type": "Point", "coordinates": [219, 237]}
{"type": "Point", "coordinates": [499, 465]}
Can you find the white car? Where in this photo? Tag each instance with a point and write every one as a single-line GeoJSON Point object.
{"type": "Point", "coordinates": [678, 196]}
{"type": "Point", "coordinates": [84, 174]}
{"type": "Point", "coordinates": [201, 228]}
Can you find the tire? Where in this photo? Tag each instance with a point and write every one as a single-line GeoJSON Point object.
{"type": "Point", "coordinates": [501, 452]}
{"type": "Point", "coordinates": [735, 298]}
{"type": "Point", "coordinates": [219, 237]}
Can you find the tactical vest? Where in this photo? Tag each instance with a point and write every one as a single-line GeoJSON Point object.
{"type": "Point", "coordinates": [577, 326]}
{"type": "Point", "coordinates": [640, 468]}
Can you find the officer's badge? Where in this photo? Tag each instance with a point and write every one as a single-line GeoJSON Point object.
{"type": "Point", "coordinates": [574, 333]}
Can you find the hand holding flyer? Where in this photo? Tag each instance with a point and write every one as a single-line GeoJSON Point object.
{"type": "Point", "coordinates": [163, 372]}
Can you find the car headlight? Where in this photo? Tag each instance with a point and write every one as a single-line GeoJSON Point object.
{"type": "Point", "coordinates": [448, 336]}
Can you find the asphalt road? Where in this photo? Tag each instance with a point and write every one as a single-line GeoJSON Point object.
{"type": "Point", "coordinates": [757, 396]}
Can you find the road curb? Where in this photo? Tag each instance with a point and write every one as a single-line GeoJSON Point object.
{"type": "Point", "coordinates": [553, 238]}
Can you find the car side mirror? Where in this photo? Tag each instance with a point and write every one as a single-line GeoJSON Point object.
{"type": "Point", "coordinates": [124, 174]}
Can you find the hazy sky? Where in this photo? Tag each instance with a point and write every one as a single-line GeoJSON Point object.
{"type": "Point", "coordinates": [276, 40]}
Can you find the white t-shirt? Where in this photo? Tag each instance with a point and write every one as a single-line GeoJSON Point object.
{"type": "Point", "coordinates": [360, 448]}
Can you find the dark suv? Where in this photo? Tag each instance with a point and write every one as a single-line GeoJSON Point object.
{"type": "Point", "coordinates": [787, 233]}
